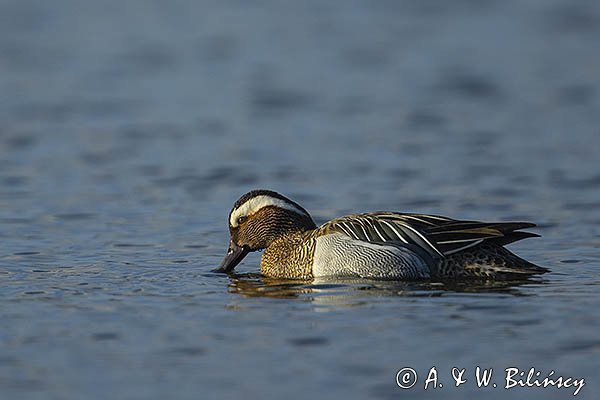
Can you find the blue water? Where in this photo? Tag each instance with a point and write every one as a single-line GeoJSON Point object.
{"type": "Point", "coordinates": [128, 129]}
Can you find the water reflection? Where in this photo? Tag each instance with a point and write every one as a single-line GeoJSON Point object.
{"type": "Point", "coordinates": [255, 285]}
{"type": "Point", "coordinates": [351, 290]}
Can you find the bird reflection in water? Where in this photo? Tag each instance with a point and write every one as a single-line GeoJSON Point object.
{"type": "Point", "coordinates": [354, 289]}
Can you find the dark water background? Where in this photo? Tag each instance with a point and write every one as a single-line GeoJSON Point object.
{"type": "Point", "coordinates": [127, 130]}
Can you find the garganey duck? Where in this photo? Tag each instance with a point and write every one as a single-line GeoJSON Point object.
{"type": "Point", "coordinates": [380, 245]}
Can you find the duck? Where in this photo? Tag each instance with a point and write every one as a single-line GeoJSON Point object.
{"type": "Point", "coordinates": [377, 245]}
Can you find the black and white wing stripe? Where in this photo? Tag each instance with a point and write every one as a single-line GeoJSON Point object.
{"type": "Point", "coordinates": [460, 235]}
{"type": "Point", "coordinates": [438, 236]}
{"type": "Point", "coordinates": [385, 227]}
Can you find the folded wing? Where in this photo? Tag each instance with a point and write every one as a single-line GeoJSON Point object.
{"type": "Point", "coordinates": [438, 236]}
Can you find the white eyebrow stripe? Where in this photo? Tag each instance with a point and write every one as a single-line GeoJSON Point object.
{"type": "Point", "coordinates": [258, 202]}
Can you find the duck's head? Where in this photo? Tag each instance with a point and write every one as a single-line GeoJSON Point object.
{"type": "Point", "coordinates": [258, 218]}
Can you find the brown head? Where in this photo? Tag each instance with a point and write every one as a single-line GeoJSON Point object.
{"type": "Point", "coordinates": [257, 219]}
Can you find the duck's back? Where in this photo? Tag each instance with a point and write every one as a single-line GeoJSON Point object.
{"type": "Point", "coordinates": [410, 246]}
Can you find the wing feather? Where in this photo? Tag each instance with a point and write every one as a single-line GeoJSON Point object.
{"type": "Point", "coordinates": [438, 236]}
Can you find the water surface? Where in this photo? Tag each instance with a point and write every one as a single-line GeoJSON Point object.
{"type": "Point", "coordinates": [128, 130]}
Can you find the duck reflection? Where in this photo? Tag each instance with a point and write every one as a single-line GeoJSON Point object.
{"type": "Point", "coordinates": [354, 291]}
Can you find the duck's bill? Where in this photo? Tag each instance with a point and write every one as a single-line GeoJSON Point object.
{"type": "Point", "coordinates": [234, 255]}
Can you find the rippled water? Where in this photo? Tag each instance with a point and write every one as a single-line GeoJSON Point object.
{"type": "Point", "coordinates": [128, 130]}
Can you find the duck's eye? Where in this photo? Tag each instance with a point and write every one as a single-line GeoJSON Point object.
{"type": "Point", "coordinates": [241, 219]}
